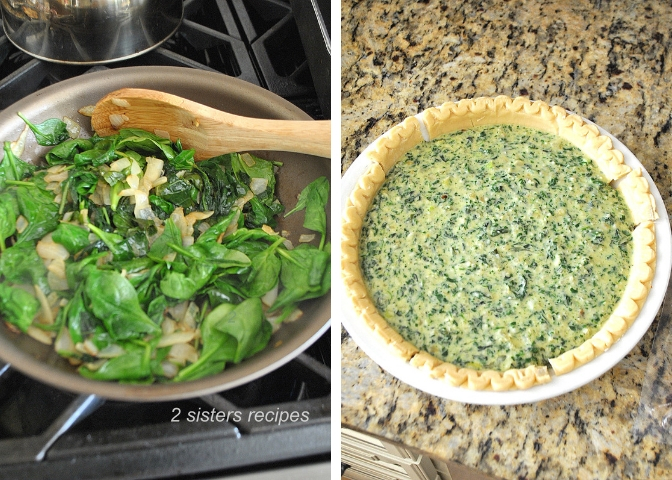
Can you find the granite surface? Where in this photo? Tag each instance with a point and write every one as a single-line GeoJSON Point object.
{"type": "Point", "coordinates": [608, 61]}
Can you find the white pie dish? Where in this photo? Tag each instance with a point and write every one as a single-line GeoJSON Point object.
{"type": "Point", "coordinates": [374, 347]}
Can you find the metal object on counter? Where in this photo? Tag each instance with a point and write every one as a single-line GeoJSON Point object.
{"type": "Point", "coordinates": [654, 416]}
{"type": "Point", "coordinates": [89, 31]}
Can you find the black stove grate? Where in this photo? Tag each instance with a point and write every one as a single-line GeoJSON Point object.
{"type": "Point", "coordinates": [52, 434]}
{"type": "Point", "coordinates": [48, 433]}
{"type": "Point", "coordinates": [253, 40]}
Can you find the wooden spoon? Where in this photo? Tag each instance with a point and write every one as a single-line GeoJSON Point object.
{"type": "Point", "coordinates": [208, 131]}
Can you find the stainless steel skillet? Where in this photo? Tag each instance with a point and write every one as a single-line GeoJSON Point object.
{"type": "Point", "coordinates": [216, 90]}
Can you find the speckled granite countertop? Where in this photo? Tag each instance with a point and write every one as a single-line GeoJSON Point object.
{"type": "Point", "coordinates": [608, 61]}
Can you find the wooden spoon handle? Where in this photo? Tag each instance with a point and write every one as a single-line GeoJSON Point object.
{"type": "Point", "coordinates": [209, 131]}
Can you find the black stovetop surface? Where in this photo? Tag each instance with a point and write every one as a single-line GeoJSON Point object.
{"type": "Point", "coordinates": [260, 42]}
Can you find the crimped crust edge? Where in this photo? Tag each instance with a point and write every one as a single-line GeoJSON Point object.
{"type": "Point", "coordinates": [453, 116]}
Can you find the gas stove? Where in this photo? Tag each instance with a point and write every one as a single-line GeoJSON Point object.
{"type": "Point", "coordinates": [280, 421]}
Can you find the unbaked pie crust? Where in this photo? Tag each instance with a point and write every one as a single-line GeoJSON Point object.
{"type": "Point", "coordinates": [449, 117]}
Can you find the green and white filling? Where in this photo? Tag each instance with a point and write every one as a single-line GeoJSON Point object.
{"type": "Point", "coordinates": [496, 247]}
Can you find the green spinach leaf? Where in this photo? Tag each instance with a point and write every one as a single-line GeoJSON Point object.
{"type": "Point", "coordinates": [12, 168]}
{"type": "Point", "coordinates": [313, 198]}
{"type": "Point", "coordinates": [263, 275]}
{"type": "Point", "coordinates": [246, 323]}
{"type": "Point", "coordinates": [20, 263]}
{"type": "Point", "coordinates": [73, 237]}
{"type": "Point", "coordinates": [64, 153]}
{"type": "Point", "coordinates": [306, 273]}
{"type": "Point", "coordinates": [115, 302]}
{"type": "Point", "coordinates": [160, 249]}
{"type": "Point", "coordinates": [8, 209]}
{"type": "Point", "coordinates": [18, 306]}
{"type": "Point", "coordinates": [48, 133]}
{"type": "Point", "coordinates": [218, 347]}
{"type": "Point", "coordinates": [184, 286]}
{"type": "Point", "coordinates": [130, 366]}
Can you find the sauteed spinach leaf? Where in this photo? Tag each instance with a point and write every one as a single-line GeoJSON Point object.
{"type": "Point", "coordinates": [140, 264]}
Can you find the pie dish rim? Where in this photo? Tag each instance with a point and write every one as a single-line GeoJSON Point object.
{"type": "Point", "coordinates": [524, 379]}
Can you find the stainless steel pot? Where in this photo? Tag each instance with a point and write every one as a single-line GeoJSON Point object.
{"type": "Point", "coordinates": [216, 90]}
{"type": "Point", "coordinates": [89, 31]}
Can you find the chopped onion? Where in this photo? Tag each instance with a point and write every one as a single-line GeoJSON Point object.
{"type": "Point", "coordinates": [54, 299]}
{"type": "Point", "coordinates": [181, 353]}
{"type": "Point", "coordinates": [240, 202]}
{"type": "Point", "coordinates": [168, 326]}
{"type": "Point", "coordinates": [202, 227]}
{"type": "Point", "coordinates": [55, 282]}
{"type": "Point", "coordinates": [111, 351]}
{"type": "Point", "coordinates": [169, 369]}
{"type": "Point", "coordinates": [233, 226]}
{"type": "Point", "coordinates": [135, 167]}
{"type": "Point", "coordinates": [294, 316]}
{"type": "Point", "coordinates": [45, 315]}
{"type": "Point", "coordinates": [119, 165]}
{"type": "Point", "coordinates": [21, 223]}
{"type": "Point", "coordinates": [162, 133]}
{"type": "Point", "coordinates": [248, 159]}
{"type": "Point", "coordinates": [194, 216]}
{"type": "Point", "coordinates": [270, 296]}
{"type": "Point", "coordinates": [188, 322]}
{"type": "Point", "coordinates": [93, 366]}
{"type": "Point", "coordinates": [153, 170]}
{"type": "Point", "coordinates": [84, 215]}
{"type": "Point", "coordinates": [175, 338]}
{"type": "Point", "coordinates": [268, 230]}
{"type": "Point", "coordinates": [305, 238]}
{"type": "Point", "coordinates": [178, 311]}
{"type": "Point", "coordinates": [180, 222]}
{"type": "Point", "coordinates": [55, 170]}
{"type": "Point", "coordinates": [275, 325]}
{"type": "Point", "coordinates": [87, 111]}
{"type": "Point", "coordinates": [258, 185]}
{"type": "Point", "coordinates": [102, 194]}
{"type": "Point", "coordinates": [18, 145]}
{"type": "Point", "coordinates": [159, 181]}
{"type": "Point", "coordinates": [50, 250]}
{"type": "Point", "coordinates": [57, 267]}
{"type": "Point", "coordinates": [90, 348]}
{"type": "Point", "coordinates": [64, 343]}
{"type": "Point", "coordinates": [117, 120]}
{"type": "Point", "coordinates": [40, 335]}
{"type": "Point", "coordinates": [72, 127]}
{"type": "Point", "coordinates": [120, 102]}
{"type": "Point", "coordinates": [133, 181]}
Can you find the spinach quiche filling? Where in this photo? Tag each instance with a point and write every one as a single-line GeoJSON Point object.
{"type": "Point", "coordinates": [496, 247]}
